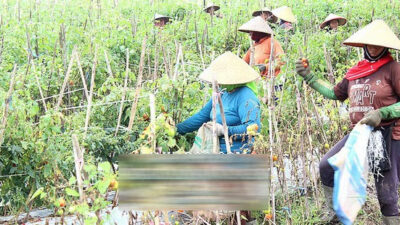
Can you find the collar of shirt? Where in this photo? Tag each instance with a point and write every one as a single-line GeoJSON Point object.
{"type": "Point", "coordinates": [262, 40]}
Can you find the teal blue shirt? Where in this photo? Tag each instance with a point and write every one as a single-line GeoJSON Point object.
{"type": "Point", "coordinates": [241, 107]}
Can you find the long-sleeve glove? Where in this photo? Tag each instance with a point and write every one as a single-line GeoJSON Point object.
{"type": "Point", "coordinates": [372, 118]}
{"type": "Point", "coordinates": [220, 128]}
{"type": "Point", "coordinates": [302, 67]}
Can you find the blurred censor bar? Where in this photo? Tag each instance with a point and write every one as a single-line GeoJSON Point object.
{"type": "Point", "coordinates": [194, 182]}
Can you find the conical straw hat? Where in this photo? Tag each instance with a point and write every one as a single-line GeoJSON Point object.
{"type": "Point", "coordinates": [342, 20]}
{"type": "Point", "coordinates": [159, 17]}
{"type": "Point", "coordinates": [258, 12]}
{"type": "Point", "coordinates": [229, 69]}
{"type": "Point", "coordinates": [284, 13]}
{"type": "Point", "coordinates": [211, 5]}
{"type": "Point", "coordinates": [376, 33]}
{"type": "Point", "coordinates": [256, 24]}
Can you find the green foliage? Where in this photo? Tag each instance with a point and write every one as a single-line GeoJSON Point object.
{"type": "Point", "coordinates": [36, 157]}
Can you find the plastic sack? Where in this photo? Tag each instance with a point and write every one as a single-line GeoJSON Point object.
{"type": "Point", "coordinates": [203, 142]}
{"type": "Point", "coordinates": [351, 172]}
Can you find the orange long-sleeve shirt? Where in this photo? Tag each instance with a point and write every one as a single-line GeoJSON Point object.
{"type": "Point", "coordinates": [262, 52]}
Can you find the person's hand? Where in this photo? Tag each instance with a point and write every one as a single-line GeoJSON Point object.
{"type": "Point", "coordinates": [302, 67]}
{"type": "Point", "coordinates": [220, 128]}
{"type": "Point", "coordinates": [372, 118]}
{"type": "Point", "coordinates": [261, 67]}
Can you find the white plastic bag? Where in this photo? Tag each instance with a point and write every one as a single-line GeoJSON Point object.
{"type": "Point", "coordinates": [351, 172]}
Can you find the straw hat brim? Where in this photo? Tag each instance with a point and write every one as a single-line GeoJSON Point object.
{"type": "Point", "coordinates": [216, 8]}
{"type": "Point", "coordinates": [342, 21]}
{"type": "Point", "coordinates": [258, 12]}
{"type": "Point", "coordinates": [284, 13]}
{"type": "Point", "coordinates": [376, 33]}
{"type": "Point", "coordinates": [229, 69]}
{"type": "Point", "coordinates": [161, 17]}
{"type": "Point", "coordinates": [256, 24]}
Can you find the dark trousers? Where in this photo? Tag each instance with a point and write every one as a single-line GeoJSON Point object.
{"type": "Point", "coordinates": [386, 186]}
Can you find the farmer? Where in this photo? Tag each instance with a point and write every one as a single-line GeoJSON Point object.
{"type": "Point", "coordinates": [160, 20]}
{"type": "Point", "coordinates": [286, 17]}
{"type": "Point", "coordinates": [266, 14]}
{"type": "Point", "coordinates": [333, 21]}
{"type": "Point", "coordinates": [239, 100]}
{"type": "Point", "coordinates": [260, 33]}
{"type": "Point", "coordinates": [373, 89]}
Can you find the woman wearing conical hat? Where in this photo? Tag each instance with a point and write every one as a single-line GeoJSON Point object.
{"type": "Point", "coordinates": [260, 33]}
{"type": "Point", "coordinates": [286, 17]}
{"type": "Point", "coordinates": [266, 14]}
{"type": "Point", "coordinates": [332, 22]}
{"type": "Point", "coordinates": [373, 89]}
{"type": "Point", "coordinates": [239, 100]}
{"type": "Point", "coordinates": [160, 20]}
{"type": "Point", "coordinates": [211, 9]}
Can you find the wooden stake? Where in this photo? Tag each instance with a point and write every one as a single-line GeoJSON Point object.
{"type": "Point", "coordinates": [79, 163]}
{"type": "Point", "coordinates": [214, 112]}
{"type": "Point", "coordinates": [39, 86]}
{"type": "Point", "coordinates": [78, 62]}
{"type": "Point", "coordinates": [89, 107]}
{"type": "Point", "coordinates": [65, 80]}
{"type": "Point", "coordinates": [109, 70]}
{"type": "Point", "coordinates": [152, 105]}
{"type": "Point", "coordinates": [138, 85]}
{"type": "Point", "coordinates": [121, 108]}
{"type": "Point", "coordinates": [7, 105]}
{"type": "Point", "coordinates": [221, 109]}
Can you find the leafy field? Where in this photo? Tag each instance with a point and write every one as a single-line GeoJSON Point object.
{"type": "Point", "coordinates": [85, 69]}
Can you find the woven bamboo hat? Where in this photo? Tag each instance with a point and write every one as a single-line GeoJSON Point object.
{"type": "Point", "coordinates": [229, 69]}
{"type": "Point", "coordinates": [342, 21]}
{"type": "Point", "coordinates": [256, 24]}
{"type": "Point", "coordinates": [284, 13]}
{"type": "Point", "coordinates": [160, 17]}
{"type": "Point", "coordinates": [376, 33]}
{"type": "Point", "coordinates": [211, 5]}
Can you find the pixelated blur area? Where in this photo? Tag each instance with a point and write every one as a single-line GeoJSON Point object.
{"type": "Point", "coordinates": [194, 182]}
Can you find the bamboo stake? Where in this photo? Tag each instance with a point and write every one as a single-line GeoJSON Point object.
{"type": "Point", "coordinates": [271, 71]}
{"type": "Point", "coordinates": [65, 80]}
{"type": "Point", "coordinates": [121, 108]}
{"type": "Point", "coordinates": [252, 52]}
{"type": "Point", "coordinates": [156, 58]}
{"type": "Point", "coordinates": [39, 86]}
{"type": "Point", "coordinates": [177, 62]}
{"type": "Point", "coordinates": [79, 163]}
{"type": "Point", "coordinates": [153, 121]}
{"type": "Point", "coordinates": [221, 109]}
{"type": "Point", "coordinates": [109, 70]}
{"type": "Point", "coordinates": [239, 221]}
{"type": "Point", "coordinates": [89, 107]}
{"type": "Point", "coordinates": [138, 86]}
{"type": "Point", "coordinates": [214, 113]}
{"type": "Point", "coordinates": [7, 105]}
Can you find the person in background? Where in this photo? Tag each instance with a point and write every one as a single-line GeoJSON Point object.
{"type": "Point", "coordinates": [266, 14]}
{"type": "Point", "coordinates": [260, 33]}
{"type": "Point", "coordinates": [211, 9]}
{"type": "Point", "coordinates": [160, 20]}
{"type": "Point", "coordinates": [373, 89]}
{"type": "Point", "coordinates": [240, 103]}
{"type": "Point", "coordinates": [286, 17]}
{"type": "Point", "coordinates": [333, 21]}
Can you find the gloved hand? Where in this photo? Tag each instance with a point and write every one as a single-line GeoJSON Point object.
{"type": "Point", "coordinates": [372, 118]}
{"type": "Point", "coordinates": [302, 67]}
{"type": "Point", "coordinates": [220, 128]}
{"type": "Point", "coordinates": [261, 67]}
